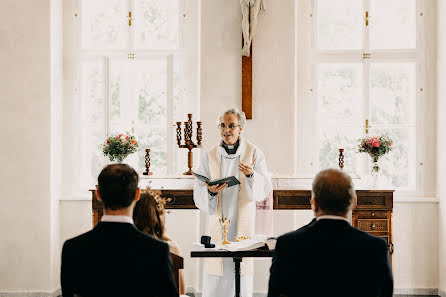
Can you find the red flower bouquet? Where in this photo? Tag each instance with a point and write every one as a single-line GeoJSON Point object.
{"type": "Point", "coordinates": [118, 147]}
{"type": "Point", "coordinates": [376, 147]}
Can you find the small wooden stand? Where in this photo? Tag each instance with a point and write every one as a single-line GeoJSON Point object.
{"type": "Point", "coordinates": [341, 158]}
{"type": "Point", "coordinates": [188, 143]}
{"type": "Point", "coordinates": [147, 161]}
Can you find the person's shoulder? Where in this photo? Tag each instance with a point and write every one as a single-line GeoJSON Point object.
{"type": "Point", "coordinates": [149, 240]}
{"type": "Point", "coordinates": [301, 232]}
{"type": "Point", "coordinates": [174, 247]}
{"type": "Point", "coordinates": [368, 239]}
{"type": "Point", "coordinates": [213, 149]}
{"type": "Point", "coordinates": [205, 157]}
{"type": "Point", "coordinates": [79, 244]}
{"type": "Point", "coordinates": [257, 152]}
{"type": "Point", "coordinates": [247, 142]}
{"type": "Point", "coordinates": [79, 239]}
{"type": "Point", "coordinates": [290, 241]}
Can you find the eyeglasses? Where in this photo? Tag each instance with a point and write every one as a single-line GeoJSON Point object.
{"type": "Point", "coordinates": [231, 126]}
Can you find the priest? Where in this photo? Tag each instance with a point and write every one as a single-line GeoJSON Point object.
{"type": "Point", "coordinates": [233, 156]}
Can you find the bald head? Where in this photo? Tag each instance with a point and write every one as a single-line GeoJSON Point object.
{"type": "Point", "coordinates": [333, 192]}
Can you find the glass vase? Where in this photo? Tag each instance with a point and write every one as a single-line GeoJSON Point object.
{"type": "Point", "coordinates": [375, 167]}
{"type": "Point", "coordinates": [120, 158]}
{"type": "Point", "coordinates": [374, 173]}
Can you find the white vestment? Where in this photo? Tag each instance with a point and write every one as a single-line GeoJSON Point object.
{"type": "Point", "coordinates": [257, 188]}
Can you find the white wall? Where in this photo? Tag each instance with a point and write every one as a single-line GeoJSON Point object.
{"type": "Point", "coordinates": [71, 119]}
{"type": "Point", "coordinates": [56, 186]}
{"type": "Point", "coordinates": [441, 139]}
{"type": "Point", "coordinates": [415, 261]}
{"type": "Point", "coordinates": [28, 233]}
{"type": "Point", "coordinates": [220, 64]}
{"type": "Point", "coordinates": [76, 218]}
{"type": "Point", "coordinates": [273, 76]}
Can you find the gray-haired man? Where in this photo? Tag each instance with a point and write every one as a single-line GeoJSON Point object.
{"type": "Point", "coordinates": [233, 156]}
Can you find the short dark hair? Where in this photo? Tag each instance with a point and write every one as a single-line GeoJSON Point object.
{"type": "Point", "coordinates": [334, 191]}
{"type": "Point", "coordinates": [117, 184]}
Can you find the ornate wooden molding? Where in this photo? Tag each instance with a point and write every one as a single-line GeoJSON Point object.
{"type": "Point", "coordinates": [283, 199]}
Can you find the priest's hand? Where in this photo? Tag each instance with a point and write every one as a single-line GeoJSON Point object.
{"type": "Point", "coordinates": [247, 169]}
{"type": "Point", "coordinates": [217, 188]}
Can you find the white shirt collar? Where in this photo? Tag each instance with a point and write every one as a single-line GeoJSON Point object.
{"type": "Point", "coordinates": [221, 152]}
{"type": "Point", "coordinates": [331, 217]}
{"type": "Point", "coordinates": [117, 219]}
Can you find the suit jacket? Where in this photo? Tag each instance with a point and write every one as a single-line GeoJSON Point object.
{"type": "Point", "coordinates": [330, 258]}
{"type": "Point", "coordinates": [116, 259]}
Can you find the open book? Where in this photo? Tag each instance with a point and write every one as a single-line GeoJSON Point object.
{"type": "Point", "coordinates": [230, 180]}
{"type": "Point", "coordinates": [257, 241]}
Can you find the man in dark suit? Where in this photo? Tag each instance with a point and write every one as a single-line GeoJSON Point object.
{"type": "Point", "coordinates": [329, 257]}
{"type": "Point", "coordinates": [115, 259]}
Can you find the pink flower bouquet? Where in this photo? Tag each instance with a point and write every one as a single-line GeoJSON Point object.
{"type": "Point", "coordinates": [118, 147]}
{"type": "Point", "coordinates": [375, 146]}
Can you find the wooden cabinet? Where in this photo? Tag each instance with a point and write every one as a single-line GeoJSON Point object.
{"type": "Point", "coordinates": [373, 212]}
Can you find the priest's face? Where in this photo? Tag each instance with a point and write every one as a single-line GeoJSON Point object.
{"type": "Point", "coordinates": [230, 129]}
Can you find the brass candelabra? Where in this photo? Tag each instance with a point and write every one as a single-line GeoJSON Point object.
{"type": "Point", "coordinates": [188, 143]}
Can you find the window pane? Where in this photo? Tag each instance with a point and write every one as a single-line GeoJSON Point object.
{"type": "Point", "coordinates": [118, 96]}
{"type": "Point", "coordinates": [340, 113]}
{"type": "Point", "coordinates": [399, 164]}
{"type": "Point", "coordinates": [392, 24]}
{"type": "Point", "coordinates": [331, 140]}
{"type": "Point", "coordinates": [182, 105]}
{"type": "Point", "coordinates": [156, 24]}
{"type": "Point", "coordinates": [138, 98]}
{"type": "Point", "coordinates": [339, 24]}
{"type": "Point", "coordinates": [149, 87]}
{"type": "Point", "coordinates": [392, 93]}
{"type": "Point", "coordinates": [339, 93]}
{"type": "Point", "coordinates": [93, 117]}
{"type": "Point", "coordinates": [104, 24]}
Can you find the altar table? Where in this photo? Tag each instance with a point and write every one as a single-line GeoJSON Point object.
{"type": "Point", "coordinates": [237, 256]}
{"type": "Point", "coordinates": [372, 214]}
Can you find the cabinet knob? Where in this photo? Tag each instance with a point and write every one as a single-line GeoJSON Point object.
{"type": "Point", "coordinates": [391, 248]}
{"type": "Point", "coordinates": [373, 214]}
{"type": "Point", "coordinates": [372, 226]}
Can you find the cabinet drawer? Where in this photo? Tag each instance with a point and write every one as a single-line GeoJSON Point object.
{"type": "Point", "coordinates": [372, 214]}
{"type": "Point", "coordinates": [373, 225]}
